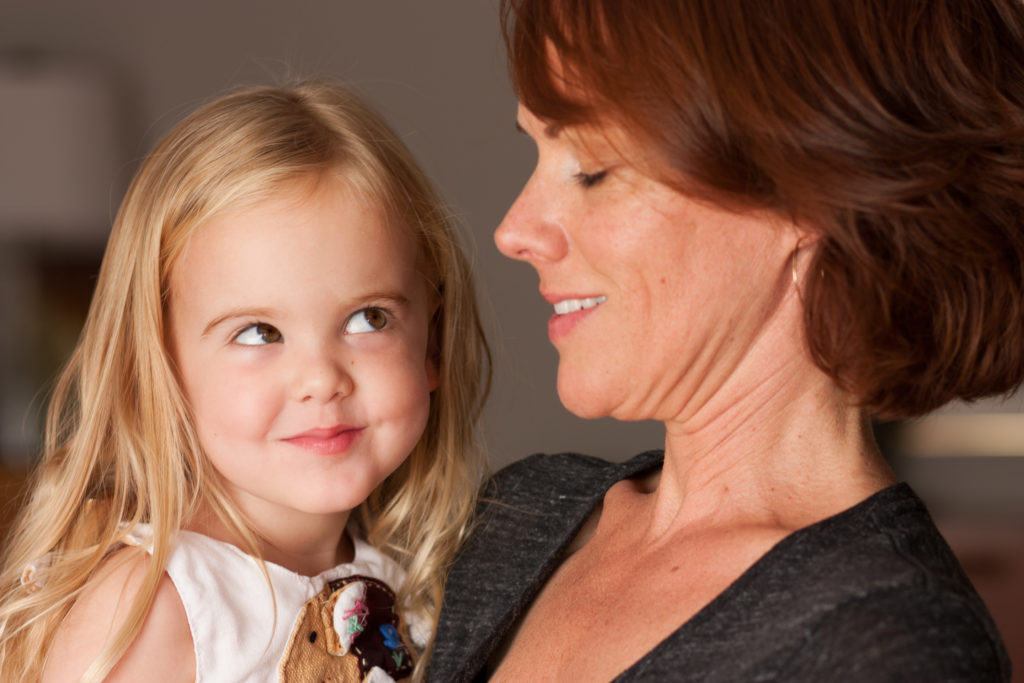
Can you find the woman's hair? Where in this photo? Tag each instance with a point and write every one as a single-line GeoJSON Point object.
{"type": "Point", "coordinates": [893, 131]}
{"type": "Point", "coordinates": [121, 448]}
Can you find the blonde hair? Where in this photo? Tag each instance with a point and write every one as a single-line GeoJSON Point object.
{"type": "Point", "coordinates": [121, 448]}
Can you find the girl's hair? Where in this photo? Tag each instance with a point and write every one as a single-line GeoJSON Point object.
{"type": "Point", "coordinates": [894, 130]}
{"type": "Point", "coordinates": [121, 448]}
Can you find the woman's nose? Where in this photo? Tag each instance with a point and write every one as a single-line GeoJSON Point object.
{"type": "Point", "coordinates": [532, 229]}
{"type": "Point", "coordinates": [321, 376]}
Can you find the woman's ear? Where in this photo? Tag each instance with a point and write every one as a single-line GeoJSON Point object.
{"type": "Point", "coordinates": [802, 236]}
{"type": "Point", "coordinates": [805, 246]}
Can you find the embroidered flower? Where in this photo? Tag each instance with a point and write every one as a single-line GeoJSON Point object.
{"type": "Point", "coordinates": [391, 638]}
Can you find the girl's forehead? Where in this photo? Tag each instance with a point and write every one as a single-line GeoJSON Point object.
{"type": "Point", "coordinates": [293, 195]}
{"type": "Point", "coordinates": [333, 200]}
{"type": "Point", "coordinates": [325, 241]}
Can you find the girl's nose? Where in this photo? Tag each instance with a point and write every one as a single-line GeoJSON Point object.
{"type": "Point", "coordinates": [322, 377]}
{"type": "Point", "coordinates": [532, 230]}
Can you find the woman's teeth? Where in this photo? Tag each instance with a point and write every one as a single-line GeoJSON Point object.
{"type": "Point", "coordinates": [573, 305]}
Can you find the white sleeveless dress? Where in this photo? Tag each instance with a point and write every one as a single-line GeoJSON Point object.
{"type": "Point", "coordinates": [338, 625]}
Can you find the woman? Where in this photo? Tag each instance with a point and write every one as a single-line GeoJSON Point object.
{"type": "Point", "coordinates": [760, 223]}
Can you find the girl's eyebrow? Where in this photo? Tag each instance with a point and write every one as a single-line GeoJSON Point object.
{"type": "Point", "coordinates": [236, 313]}
{"type": "Point", "coordinates": [394, 298]}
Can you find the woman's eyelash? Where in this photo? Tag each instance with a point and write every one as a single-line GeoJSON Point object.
{"type": "Point", "coordinates": [590, 179]}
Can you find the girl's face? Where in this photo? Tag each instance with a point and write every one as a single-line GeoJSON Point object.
{"type": "Point", "coordinates": [657, 298]}
{"type": "Point", "coordinates": [299, 326]}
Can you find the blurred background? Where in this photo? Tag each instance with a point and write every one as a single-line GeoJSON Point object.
{"type": "Point", "coordinates": [87, 88]}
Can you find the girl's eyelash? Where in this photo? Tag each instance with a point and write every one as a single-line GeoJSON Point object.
{"type": "Point", "coordinates": [233, 336]}
{"type": "Point", "coordinates": [590, 179]}
{"type": "Point", "coordinates": [369, 319]}
{"type": "Point", "coordinates": [388, 313]}
{"type": "Point", "coordinates": [262, 329]}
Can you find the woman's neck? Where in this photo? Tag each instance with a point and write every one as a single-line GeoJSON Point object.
{"type": "Point", "coordinates": [788, 449]}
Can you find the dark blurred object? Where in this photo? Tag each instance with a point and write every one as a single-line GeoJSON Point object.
{"type": "Point", "coordinates": [968, 467]}
{"type": "Point", "coordinates": [61, 176]}
{"type": "Point", "coordinates": [12, 492]}
{"type": "Point", "coordinates": [993, 556]}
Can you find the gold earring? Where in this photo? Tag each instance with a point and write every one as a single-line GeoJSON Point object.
{"type": "Point", "coordinates": [792, 261]}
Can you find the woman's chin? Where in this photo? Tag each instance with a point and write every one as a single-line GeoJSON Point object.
{"type": "Point", "coordinates": [585, 399]}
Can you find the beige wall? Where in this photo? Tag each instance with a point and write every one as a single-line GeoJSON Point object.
{"type": "Point", "coordinates": [436, 69]}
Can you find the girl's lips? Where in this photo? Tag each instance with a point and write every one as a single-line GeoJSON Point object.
{"type": "Point", "coordinates": [326, 441]}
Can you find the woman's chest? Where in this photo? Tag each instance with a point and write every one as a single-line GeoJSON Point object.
{"type": "Point", "coordinates": [603, 610]}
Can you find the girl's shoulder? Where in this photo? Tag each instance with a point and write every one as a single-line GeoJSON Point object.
{"type": "Point", "coordinates": [163, 646]}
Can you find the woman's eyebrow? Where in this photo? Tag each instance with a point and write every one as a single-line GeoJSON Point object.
{"type": "Point", "coordinates": [551, 130]}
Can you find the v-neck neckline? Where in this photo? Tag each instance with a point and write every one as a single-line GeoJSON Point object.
{"type": "Point", "coordinates": [637, 466]}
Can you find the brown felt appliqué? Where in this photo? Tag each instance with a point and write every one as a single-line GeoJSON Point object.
{"type": "Point", "coordinates": [315, 649]}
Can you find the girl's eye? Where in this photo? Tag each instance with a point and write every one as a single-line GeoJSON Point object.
{"type": "Point", "coordinates": [590, 179]}
{"type": "Point", "coordinates": [367, 320]}
{"type": "Point", "coordinates": [260, 333]}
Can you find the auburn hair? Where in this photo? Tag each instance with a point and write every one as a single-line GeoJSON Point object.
{"type": "Point", "coordinates": [894, 131]}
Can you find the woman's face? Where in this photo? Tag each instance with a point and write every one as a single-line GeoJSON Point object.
{"type": "Point", "coordinates": [657, 298]}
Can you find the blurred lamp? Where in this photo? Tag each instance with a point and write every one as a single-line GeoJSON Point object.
{"type": "Point", "coordinates": [60, 152]}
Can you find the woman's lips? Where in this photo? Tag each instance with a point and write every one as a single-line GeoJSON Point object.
{"type": "Point", "coordinates": [565, 306]}
{"type": "Point", "coordinates": [330, 441]}
{"type": "Point", "coordinates": [569, 311]}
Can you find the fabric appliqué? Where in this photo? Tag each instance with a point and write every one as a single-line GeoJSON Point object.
{"type": "Point", "coordinates": [347, 633]}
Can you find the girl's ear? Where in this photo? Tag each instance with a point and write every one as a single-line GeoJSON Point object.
{"type": "Point", "coordinates": [432, 373]}
{"type": "Point", "coordinates": [433, 361]}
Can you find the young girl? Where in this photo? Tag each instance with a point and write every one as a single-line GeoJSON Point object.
{"type": "Point", "coordinates": [267, 428]}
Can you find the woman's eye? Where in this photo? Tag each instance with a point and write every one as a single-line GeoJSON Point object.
{"type": "Point", "coordinates": [260, 333]}
{"type": "Point", "coordinates": [367, 320]}
{"type": "Point", "coordinates": [590, 179]}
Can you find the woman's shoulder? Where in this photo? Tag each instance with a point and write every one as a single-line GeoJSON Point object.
{"type": "Point", "coordinates": [539, 464]}
{"type": "Point", "coordinates": [163, 645]}
{"type": "Point", "coordinates": [872, 593]}
{"type": "Point", "coordinates": [921, 631]}
{"type": "Point", "coordinates": [881, 549]}
{"type": "Point", "coordinates": [888, 538]}
{"type": "Point", "coordinates": [564, 475]}
{"type": "Point", "coordinates": [529, 513]}
{"type": "Point", "coordinates": [881, 591]}
{"type": "Point", "coordinates": [545, 499]}
{"type": "Point", "coordinates": [910, 614]}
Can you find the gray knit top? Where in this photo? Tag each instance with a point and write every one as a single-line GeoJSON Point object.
{"type": "Point", "coordinates": [871, 594]}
